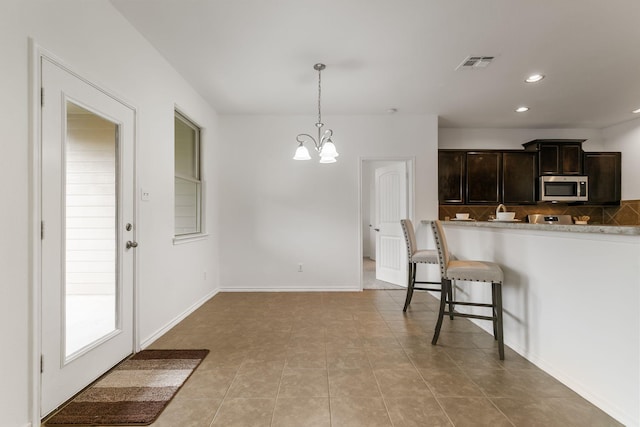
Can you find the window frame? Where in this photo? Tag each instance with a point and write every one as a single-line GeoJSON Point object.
{"type": "Point", "coordinates": [200, 233]}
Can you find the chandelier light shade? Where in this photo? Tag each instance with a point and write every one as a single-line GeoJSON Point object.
{"type": "Point", "coordinates": [323, 144]}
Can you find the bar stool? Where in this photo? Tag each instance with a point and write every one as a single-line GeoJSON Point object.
{"type": "Point", "coordinates": [471, 271]}
{"type": "Point", "coordinates": [417, 256]}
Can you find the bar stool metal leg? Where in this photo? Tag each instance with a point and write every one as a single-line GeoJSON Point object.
{"type": "Point", "coordinates": [411, 277]}
{"type": "Point", "coordinates": [446, 285]}
{"type": "Point", "coordinates": [498, 309]}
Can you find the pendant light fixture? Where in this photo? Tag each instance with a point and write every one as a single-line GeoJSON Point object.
{"type": "Point", "coordinates": [323, 145]}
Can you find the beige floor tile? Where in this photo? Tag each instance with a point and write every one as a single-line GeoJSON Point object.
{"type": "Point", "coordinates": [553, 412]}
{"type": "Point", "coordinates": [271, 352]}
{"type": "Point", "coordinates": [256, 384]}
{"type": "Point", "coordinates": [416, 411]}
{"type": "Point", "coordinates": [212, 383]}
{"type": "Point", "coordinates": [311, 357]}
{"type": "Point", "coordinates": [245, 413]}
{"type": "Point", "coordinates": [359, 412]}
{"type": "Point", "coordinates": [352, 383]}
{"type": "Point", "coordinates": [347, 358]}
{"type": "Point", "coordinates": [388, 358]}
{"type": "Point", "coordinates": [401, 383]}
{"type": "Point", "coordinates": [302, 412]}
{"type": "Point", "coordinates": [473, 412]}
{"type": "Point", "coordinates": [434, 359]}
{"type": "Point", "coordinates": [188, 413]}
{"type": "Point", "coordinates": [452, 382]}
{"type": "Point", "coordinates": [304, 383]}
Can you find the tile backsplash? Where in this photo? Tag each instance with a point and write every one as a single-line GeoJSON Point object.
{"type": "Point", "coordinates": [628, 213]}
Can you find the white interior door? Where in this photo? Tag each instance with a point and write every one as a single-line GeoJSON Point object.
{"type": "Point", "coordinates": [391, 207]}
{"type": "Point", "coordinates": [87, 201]}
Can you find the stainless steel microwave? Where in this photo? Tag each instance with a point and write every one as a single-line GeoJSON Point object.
{"type": "Point", "coordinates": [564, 188]}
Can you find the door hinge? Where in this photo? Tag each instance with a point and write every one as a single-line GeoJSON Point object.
{"type": "Point", "coordinates": [41, 230]}
{"type": "Point", "coordinates": [42, 97]}
{"type": "Point", "coordinates": [41, 363]}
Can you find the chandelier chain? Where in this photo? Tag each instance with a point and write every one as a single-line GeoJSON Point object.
{"type": "Point", "coordinates": [319, 95]}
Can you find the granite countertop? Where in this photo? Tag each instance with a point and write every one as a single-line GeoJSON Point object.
{"type": "Point", "coordinates": [573, 228]}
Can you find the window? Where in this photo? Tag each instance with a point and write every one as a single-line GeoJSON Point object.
{"type": "Point", "coordinates": [188, 185]}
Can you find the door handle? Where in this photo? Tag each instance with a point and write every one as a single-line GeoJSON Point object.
{"type": "Point", "coordinates": [377, 229]}
{"type": "Point", "coordinates": [131, 244]}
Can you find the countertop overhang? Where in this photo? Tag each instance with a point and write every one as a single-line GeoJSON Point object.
{"type": "Point", "coordinates": [572, 228]}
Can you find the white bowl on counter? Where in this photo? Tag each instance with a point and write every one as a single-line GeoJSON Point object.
{"type": "Point", "coordinates": [505, 216]}
{"type": "Point", "coordinates": [462, 216]}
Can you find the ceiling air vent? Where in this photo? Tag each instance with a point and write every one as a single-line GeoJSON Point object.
{"type": "Point", "coordinates": [475, 62]}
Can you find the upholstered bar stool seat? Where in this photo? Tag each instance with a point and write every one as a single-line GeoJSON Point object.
{"type": "Point", "coordinates": [474, 271]}
{"type": "Point", "coordinates": [416, 256]}
{"type": "Point", "coordinates": [427, 256]}
{"type": "Point", "coordinates": [469, 271]}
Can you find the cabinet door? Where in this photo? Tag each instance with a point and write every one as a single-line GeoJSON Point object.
{"type": "Point", "coordinates": [483, 179]}
{"type": "Point", "coordinates": [519, 176]}
{"type": "Point", "coordinates": [603, 170]}
{"type": "Point", "coordinates": [549, 160]}
{"type": "Point", "coordinates": [451, 167]}
{"type": "Point", "coordinates": [571, 159]}
{"type": "Point", "coordinates": [560, 159]}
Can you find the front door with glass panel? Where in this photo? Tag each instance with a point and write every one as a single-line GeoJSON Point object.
{"type": "Point", "coordinates": [87, 220]}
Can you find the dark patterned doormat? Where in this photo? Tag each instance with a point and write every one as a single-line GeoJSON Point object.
{"type": "Point", "coordinates": [133, 393]}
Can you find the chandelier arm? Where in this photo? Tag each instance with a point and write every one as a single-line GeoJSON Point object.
{"type": "Point", "coordinates": [301, 139]}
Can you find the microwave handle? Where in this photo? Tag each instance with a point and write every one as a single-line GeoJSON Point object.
{"type": "Point", "coordinates": [582, 188]}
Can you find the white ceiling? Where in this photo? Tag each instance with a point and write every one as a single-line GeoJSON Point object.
{"type": "Point", "coordinates": [257, 56]}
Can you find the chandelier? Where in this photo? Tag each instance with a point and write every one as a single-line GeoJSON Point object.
{"type": "Point", "coordinates": [323, 145]}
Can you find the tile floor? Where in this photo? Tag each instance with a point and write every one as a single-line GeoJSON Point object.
{"type": "Point", "coordinates": [355, 359]}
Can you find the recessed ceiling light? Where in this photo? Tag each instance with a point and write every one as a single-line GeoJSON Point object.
{"type": "Point", "coordinates": [534, 78]}
{"type": "Point", "coordinates": [636, 111]}
{"type": "Point", "coordinates": [522, 109]}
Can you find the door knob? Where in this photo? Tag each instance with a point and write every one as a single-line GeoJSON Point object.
{"type": "Point", "coordinates": [131, 244]}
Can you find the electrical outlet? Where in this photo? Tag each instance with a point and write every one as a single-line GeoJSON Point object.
{"type": "Point", "coordinates": [300, 267]}
{"type": "Point", "coordinates": [145, 195]}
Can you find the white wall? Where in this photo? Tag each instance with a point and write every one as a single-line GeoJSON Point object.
{"type": "Point", "coordinates": [97, 42]}
{"type": "Point", "coordinates": [512, 139]}
{"type": "Point", "coordinates": [571, 305]}
{"type": "Point", "coordinates": [625, 138]}
{"type": "Point", "coordinates": [278, 212]}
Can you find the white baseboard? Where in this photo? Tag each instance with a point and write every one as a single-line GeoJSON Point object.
{"type": "Point", "coordinates": [160, 332]}
{"type": "Point", "coordinates": [323, 289]}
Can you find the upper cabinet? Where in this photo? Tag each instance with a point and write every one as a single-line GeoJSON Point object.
{"type": "Point", "coordinates": [451, 176]}
{"type": "Point", "coordinates": [603, 170]}
{"type": "Point", "coordinates": [557, 156]}
{"type": "Point", "coordinates": [519, 177]}
{"type": "Point", "coordinates": [489, 177]}
{"type": "Point", "coordinates": [486, 177]}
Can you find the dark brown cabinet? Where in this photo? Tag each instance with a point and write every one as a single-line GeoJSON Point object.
{"type": "Point", "coordinates": [484, 177]}
{"type": "Point", "coordinates": [451, 176]}
{"type": "Point", "coordinates": [557, 156]}
{"type": "Point", "coordinates": [603, 170]}
{"type": "Point", "coordinates": [519, 177]}
{"type": "Point", "coordinates": [487, 177]}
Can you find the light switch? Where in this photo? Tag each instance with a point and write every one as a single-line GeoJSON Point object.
{"type": "Point", "coordinates": [145, 195]}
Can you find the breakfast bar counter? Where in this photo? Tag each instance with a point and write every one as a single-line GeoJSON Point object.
{"type": "Point", "coordinates": [573, 228]}
{"type": "Point", "coordinates": [571, 297]}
